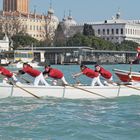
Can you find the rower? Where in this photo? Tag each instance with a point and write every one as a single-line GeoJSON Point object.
{"type": "Point", "coordinates": [89, 73]}
{"type": "Point", "coordinates": [105, 74]}
{"type": "Point", "coordinates": [8, 74]}
{"type": "Point", "coordinates": [55, 74]}
{"type": "Point", "coordinates": [34, 73]}
{"type": "Point", "coordinates": [137, 58]}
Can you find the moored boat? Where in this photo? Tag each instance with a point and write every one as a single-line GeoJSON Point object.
{"type": "Point", "coordinates": [69, 92]}
{"type": "Point", "coordinates": [123, 75]}
{"type": "Point", "coordinates": [33, 64]}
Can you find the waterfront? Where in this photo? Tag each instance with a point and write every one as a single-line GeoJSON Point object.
{"type": "Point", "coordinates": [62, 119]}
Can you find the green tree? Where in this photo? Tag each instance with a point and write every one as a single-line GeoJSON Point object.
{"type": "Point", "coordinates": [23, 40]}
{"type": "Point", "coordinates": [127, 46]}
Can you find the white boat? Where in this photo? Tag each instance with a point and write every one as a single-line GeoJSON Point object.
{"type": "Point", "coordinates": [4, 62]}
{"type": "Point", "coordinates": [21, 57]}
{"type": "Point", "coordinates": [69, 92]}
{"type": "Point", "coordinates": [33, 64]}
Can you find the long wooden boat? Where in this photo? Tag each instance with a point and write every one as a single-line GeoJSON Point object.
{"type": "Point", "coordinates": [69, 92]}
{"type": "Point", "coordinates": [124, 75]}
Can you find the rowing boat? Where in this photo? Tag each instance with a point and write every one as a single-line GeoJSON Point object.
{"type": "Point", "coordinates": [124, 75]}
{"type": "Point", "coordinates": [69, 92]}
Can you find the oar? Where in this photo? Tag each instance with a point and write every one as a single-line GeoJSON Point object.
{"type": "Point", "coordinates": [24, 89]}
{"type": "Point", "coordinates": [127, 84]}
{"type": "Point", "coordinates": [132, 87]}
{"type": "Point", "coordinates": [27, 81]}
{"type": "Point", "coordinates": [87, 91]}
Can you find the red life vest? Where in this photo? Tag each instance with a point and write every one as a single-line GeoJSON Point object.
{"type": "Point", "coordinates": [33, 72]}
{"type": "Point", "coordinates": [90, 73]}
{"type": "Point", "coordinates": [55, 73]}
{"type": "Point", "coordinates": [5, 72]}
{"type": "Point", "coordinates": [105, 73]}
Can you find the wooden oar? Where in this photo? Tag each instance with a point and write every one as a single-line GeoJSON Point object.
{"type": "Point", "coordinates": [78, 81]}
{"type": "Point", "coordinates": [132, 87]}
{"type": "Point", "coordinates": [27, 81]}
{"type": "Point", "coordinates": [87, 91]}
{"type": "Point", "coordinates": [127, 84]}
{"type": "Point", "coordinates": [24, 90]}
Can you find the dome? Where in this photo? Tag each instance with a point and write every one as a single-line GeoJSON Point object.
{"type": "Point", "coordinates": [50, 11]}
{"type": "Point", "coordinates": [69, 22]}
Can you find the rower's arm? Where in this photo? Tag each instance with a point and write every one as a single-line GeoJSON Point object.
{"type": "Point", "coordinates": [77, 74]}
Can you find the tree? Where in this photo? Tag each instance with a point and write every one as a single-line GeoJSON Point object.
{"type": "Point", "coordinates": [23, 40]}
{"type": "Point", "coordinates": [127, 46]}
{"type": "Point", "coordinates": [11, 26]}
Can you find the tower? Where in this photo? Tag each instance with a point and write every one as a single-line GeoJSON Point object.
{"type": "Point", "coordinates": [16, 5]}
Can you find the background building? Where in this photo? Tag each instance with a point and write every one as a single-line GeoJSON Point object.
{"type": "Point", "coordinates": [114, 30]}
{"type": "Point", "coordinates": [4, 44]}
{"type": "Point", "coordinates": [16, 13]}
{"type": "Point", "coordinates": [16, 5]}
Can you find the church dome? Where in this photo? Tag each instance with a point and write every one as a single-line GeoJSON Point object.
{"type": "Point", "coordinates": [69, 21]}
{"type": "Point", "coordinates": [52, 17]}
{"type": "Point", "coordinates": [50, 11]}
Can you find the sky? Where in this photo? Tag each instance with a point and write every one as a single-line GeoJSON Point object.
{"type": "Point", "coordinates": [88, 10]}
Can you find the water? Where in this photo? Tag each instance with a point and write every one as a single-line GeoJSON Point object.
{"type": "Point", "coordinates": [63, 119]}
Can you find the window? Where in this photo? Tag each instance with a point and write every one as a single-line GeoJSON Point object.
{"type": "Point", "coordinates": [121, 31]}
{"type": "Point", "coordinates": [103, 31]}
{"type": "Point", "coordinates": [99, 32]}
{"type": "Point", "coordinates": [108, 31]}
{"type": "Point", "coordinates": [117, 31]}
{"type": "Point", "coordinates": [30, 27]}
{"type": "Point", "coordinates": [112, 31]}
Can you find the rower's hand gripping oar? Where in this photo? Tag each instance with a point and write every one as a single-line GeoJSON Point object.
{"type": "Point", "coordinates": [23, 89]}
{"type": "Point", "coordinates": [77, 87]}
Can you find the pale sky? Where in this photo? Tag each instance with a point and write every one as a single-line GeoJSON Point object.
{"type": "Point", "coordinates": [89, 10]}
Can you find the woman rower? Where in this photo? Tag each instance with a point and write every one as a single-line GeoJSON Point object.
{"type": "Point", "coordinates": [55, 74]}
{"type": "Point", "coordinates": [34, 73]}
{"type": "Point", "coordinates": [105, 74]}
{"type": "Point", "coordinates": [8, 74]}
{"type": "Point", "coordinates": [89, 73]}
